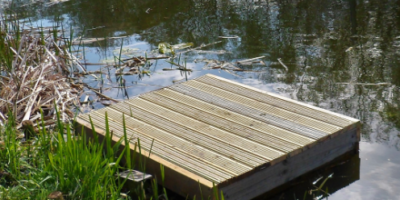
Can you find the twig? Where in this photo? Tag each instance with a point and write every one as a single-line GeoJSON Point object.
{"type": "Point", "coordinates": [157, 58]}
{"type": "Point", "coordinates": [19, 101]}
{"type": "Point", "coordinates": [2, 116]}
{"type": "Point", "coordinates": [202, 46]}
{"type": "Point", "coordinates": [211, 52]}
{"type": "Point", "coordinates": [13, 50]}
{"type": "Point", "coordinates": [17, 53]}
{"type": "Point", "coordinates": [22, 84]}
{"type": "Point", "coordinates": [365, 84]}
{"type": "Point", "coordinates": [180, 67]}
{"type": "Point", "coordinates": [3, 77]}
{"type": "Point", "coordinates": [6, 101]}
{"type": "Point", "coordinates": [283, 64]}
{"type": "Point", "coordinates": [74, 59]}
{"type": "Point", "coordinates": [229, 37]}
{"type": "Point", "coordinates": [101, 95]}
{"type": "Point", "coordinates": [233, 73]}
{"type": "Point", "coordinates": [95, 63]}
{"type": "Point", "coordinates": [28, 108]}
{"type": "Point", "coordinates": [51, 55]}
{"type": "Point", "coordinates": [249, 60]}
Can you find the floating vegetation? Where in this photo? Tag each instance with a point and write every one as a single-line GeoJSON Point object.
{"type": "Point", "coordinates": [183, 45]}
{"type": "Point", "coordinates": [165, 48]}
{"type": "Point", "coordinates": [127, 51]}
{"type": "Point", "coordinates": [54, 2]}
{"type": "Point", "coordinates": [211, 52]}
{"type": "Point", "coordinates": [283, 64]}
{"type": "Point", "coordinates": [229, 37]}
{"type": "Point", "coordinates": [251, 60]}
{"type": "Point", "coordinates": [80, 40]}
{"type": "Point", "coordinates": [201, 46]}
{"type": "Point", "coordinates": [86, 40]}
{"type": "Point", "coordinates": [232, 66]}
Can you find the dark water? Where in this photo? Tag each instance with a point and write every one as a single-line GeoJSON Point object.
{"type": "Point", "coordinates": [341, 55]}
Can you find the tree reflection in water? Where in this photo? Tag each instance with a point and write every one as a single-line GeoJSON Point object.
{"type": "Point", "coordinates": [341, 55]}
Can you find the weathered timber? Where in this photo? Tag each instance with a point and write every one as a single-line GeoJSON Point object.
{"type": "Point", "coordinates": [212, 130]}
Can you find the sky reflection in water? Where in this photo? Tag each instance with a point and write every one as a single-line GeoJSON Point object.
{"type": "Point", "coordinates": [341, 55]}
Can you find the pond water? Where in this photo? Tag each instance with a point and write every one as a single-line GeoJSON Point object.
{"type": "Point", "coordinates": [341, 55]}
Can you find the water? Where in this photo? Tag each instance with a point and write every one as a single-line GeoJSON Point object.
{"type": "Point", "coordinates": [341, 55]}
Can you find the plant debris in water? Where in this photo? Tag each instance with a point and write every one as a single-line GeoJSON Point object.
{"type": "Point", "coordinates": [34, 76]}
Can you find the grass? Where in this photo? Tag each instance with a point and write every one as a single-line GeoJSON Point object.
{"type": "Point", "coordinates": [60, 160]}
{"type": "Point", "coordinates": [6, 54]}
{"type": "Point", "coordinates": [54, 161]}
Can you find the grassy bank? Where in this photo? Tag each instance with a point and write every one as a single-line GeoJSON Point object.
{"type": "Point", "coordinates": [53, 161]}
{"type": "Point", "coordinates": [60, 164]}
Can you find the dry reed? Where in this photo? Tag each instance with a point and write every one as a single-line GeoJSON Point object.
{"type": "Point", "coordinates": [37, 78]}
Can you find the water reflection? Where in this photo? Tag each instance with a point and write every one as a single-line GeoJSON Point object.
{"type": "Point", "coordinates": [341, 55]}
{"type": "Point", "coordinates": [333, 177]}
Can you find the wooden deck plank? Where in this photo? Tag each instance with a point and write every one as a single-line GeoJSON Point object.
{"type": "Point", "coordinates": [252, 123]}
{"type": "Point", "coordinates": [278, 101]}
{"type": "Point", "coordinates": [266, 179]}
{"type": "Point", "coordinates": [250, 147]}
{"type": "Point", "coordinates": [250, 112]}
{"type": "Point", "coordinates": [212, 130]}
{"type": "Point", "coordinates": [172, 156]}
{"type": "Point", "coordinates": [224, 137]}
{"type": "Point", "coordinates": [175, 175]}
{"type": "Point", "coordinates": [231, 151]}
{"type": "Point", "coordinates": [141, 129]}
{"type": "Point", "coordinates": [221, 122]}
{"type": "Point", "coordinates": [271, 110]}
{"type": "Point", "coordinates": [187, 161]}
{"type": "Point", "coordinates": [169, 155]}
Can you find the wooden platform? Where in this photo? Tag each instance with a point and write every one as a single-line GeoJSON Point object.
{"type": "Point", "coordinates": [212, 130]}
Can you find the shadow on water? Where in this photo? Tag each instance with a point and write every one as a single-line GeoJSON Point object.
{"type": "Point", "coordinates": [340, 55]}
{"type": "Point", "coordinates": [318, 184]}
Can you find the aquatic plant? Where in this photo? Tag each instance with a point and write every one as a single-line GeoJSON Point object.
{"type": "Point", "coordinates": [63, 161]}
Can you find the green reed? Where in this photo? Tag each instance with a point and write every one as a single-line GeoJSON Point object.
{"type": "Point", "coordinates": [57, 161]}
{"type": "Point", "coordinates": [62, 160]}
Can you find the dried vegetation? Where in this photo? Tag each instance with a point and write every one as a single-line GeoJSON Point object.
{"type": "Point", "coordinates": [35, 65]}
